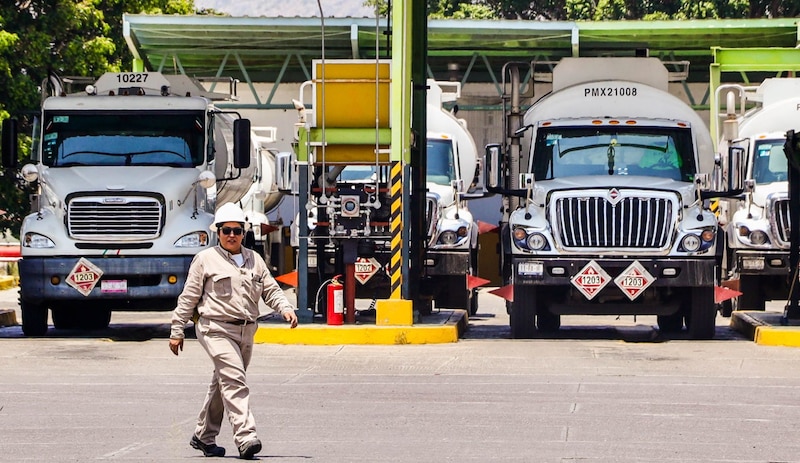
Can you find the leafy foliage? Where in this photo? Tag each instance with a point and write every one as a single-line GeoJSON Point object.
{"type": "Point", "coordinates": [600, 10]}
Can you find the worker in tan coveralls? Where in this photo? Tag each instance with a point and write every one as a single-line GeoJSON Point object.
{"type": "Point", "coordinates": [224, 284]}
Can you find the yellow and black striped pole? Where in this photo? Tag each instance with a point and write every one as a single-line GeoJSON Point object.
{"type": "Point", "coordinates": [396, 230]}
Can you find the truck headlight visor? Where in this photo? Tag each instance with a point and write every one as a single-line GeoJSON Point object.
{"type": "Point", "coordinates": [196, 239]}
{"type": "Point", "coordinates": [37, 241]}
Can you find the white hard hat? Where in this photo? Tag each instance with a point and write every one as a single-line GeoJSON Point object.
{"type": "Point", "coordinates": [228, 212]}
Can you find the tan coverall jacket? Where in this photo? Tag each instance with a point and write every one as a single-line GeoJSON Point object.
{"type": "Point", "coordinates": [222, 291]}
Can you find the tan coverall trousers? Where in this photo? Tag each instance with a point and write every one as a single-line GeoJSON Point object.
{"type": "Point", "coordinates": [230, 348]}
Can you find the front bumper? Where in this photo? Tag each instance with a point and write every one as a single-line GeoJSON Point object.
{"type": "Point", "coordinates": [145, 279]}
{"type": "Point", "coordinates": [447, 263]}
{"type": "Point", "coordinates": [762, 263]}
{"type": "Point", "coordinates": [664, 296]}
{"type": "Point", "coordinates": [688, 272]}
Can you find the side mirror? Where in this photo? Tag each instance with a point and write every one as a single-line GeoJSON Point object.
{"type": "Point", "coordinates": [10, 146]}
{"type": "Point", "coordinates": [477, 188]}
{"type": "Point", "coordinates": [494, 167]}
{"type": "Point", "coordinates": [737, 168]}
{"type": "Point", "coordinates": [285, 173]}
{"type": "Point", "coordinates": [241, 143]}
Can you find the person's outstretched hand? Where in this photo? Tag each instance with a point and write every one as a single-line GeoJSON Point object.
{"type": "Point", "coordinates": [176, 345]}
{"type": "Point", "coordinates": [290, 317]}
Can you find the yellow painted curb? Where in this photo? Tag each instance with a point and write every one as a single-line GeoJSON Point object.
{"type": "Point", "coordinates": [8, 282]}
{"type": "Point", "coordinates": [356, 334]}
{"type": "Point", "coordinates": [774, 336]}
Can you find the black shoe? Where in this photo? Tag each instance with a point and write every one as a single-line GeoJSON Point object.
{"type": "Point", "coordinates": [249, 449]}
{"type": "Point", "coordinates": [209, 450]}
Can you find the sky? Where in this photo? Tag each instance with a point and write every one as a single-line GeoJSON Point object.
{"type": "Point", "coordinates": [291, 8]}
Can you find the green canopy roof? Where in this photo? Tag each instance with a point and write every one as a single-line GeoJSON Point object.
{"type": "Point", "coordinates": [281, 49]}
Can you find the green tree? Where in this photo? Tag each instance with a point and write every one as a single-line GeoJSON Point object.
{"type": "Point", "coordinates": [67, 38]}
{"type": "Point", "coordinates": [445, 9]}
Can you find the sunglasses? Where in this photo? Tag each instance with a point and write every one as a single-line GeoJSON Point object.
{"type": "Point", "coordinates": [235, 230]}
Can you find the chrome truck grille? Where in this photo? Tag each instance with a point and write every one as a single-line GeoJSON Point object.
{"type": "Point", "coordinates": [641, 220]}
{"type": "Point", "coordinates": [114, 218]}
{"type": "Point", "coordinates": [432, 213]}
{"type": "Point", "coordinates": [779, 219]}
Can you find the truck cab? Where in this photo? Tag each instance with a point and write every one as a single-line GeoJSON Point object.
{"type": "Point", "coordinates": [608, 211]}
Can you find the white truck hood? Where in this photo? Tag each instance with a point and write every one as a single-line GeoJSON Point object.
{"type": "Point", "coordinates": [446, 193]}
{"type": "Point", "coordinates": [763, 190]}
{"type": "Point", "coordinates": [173, 183]}
{"type": "Point", "coordinates": [543, 187]}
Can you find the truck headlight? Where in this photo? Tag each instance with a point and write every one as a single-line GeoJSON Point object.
{"type": "Point", "coordinates": [758, 237]}
{"type": "Point", "coordinates": [755, 237]}
{"type": "Point", "coordinates": [530, 240]}
{"type": "Point", "coordinates": [690, 243]}
{"type": "Point", "coordinates": [37, 241]}
{"type": "Point", "coordinates": [698, 242]}
{"type": "Point", "coordinates": [448, 237]}
{"type": "Point", "coordinates": [536, 241]}
{"type": "Point", "coordinates": [192, 240]}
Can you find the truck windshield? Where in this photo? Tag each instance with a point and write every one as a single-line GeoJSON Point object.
{"type": "Point", "coordinates": [650, 151]}
{"type": "Point", "coordinates": [769, 163]}
{"type": "Point", "coordinates": [441, 167]}
{"type": "Point", "coordinates": [172, 139]}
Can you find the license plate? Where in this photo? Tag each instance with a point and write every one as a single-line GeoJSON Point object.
{"type": "Point", "coordinates": [753, 264]}
{"type": "Point", "coordinates": [534, 268]}
{"type": "Point", "coordinates": [114, 286]}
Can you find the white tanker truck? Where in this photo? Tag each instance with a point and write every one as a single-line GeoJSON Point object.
{"type": "Point", "coordinates": [604, 182]}
{"type": "Point", "coordinates": [756, 118]}
{"type": "Point", "coordinates": [452, 232]}
{"type": "Point", "coordinates": [129, 172]}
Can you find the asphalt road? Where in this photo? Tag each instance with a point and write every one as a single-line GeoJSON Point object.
{"type": "Point", "coordinates": [602, 390]}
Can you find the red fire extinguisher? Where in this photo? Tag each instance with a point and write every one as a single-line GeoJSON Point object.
{"type": "Point", "coordinates": [335, 312]}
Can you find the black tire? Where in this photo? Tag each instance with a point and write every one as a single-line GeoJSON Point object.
{"type": "Point", "coordinates": [669, 324]}
{"type": "Point", "coordinates": [547, 321]}
{"type": "Point", "coordinates": [473, 303]}
{"type": "Point", "coordinates": [77, 318]}
{"type": "Point", "coordinates": [701, 317]}
{"type": "Point", "coordinates": [752, 297]}
{"type": "Point", "coordinates": [522, 314]}
{"type": "Point", "coordinates": [95, 319]}
{"type": "Point", "coordinates": [452, 293]}
{"type": "Point", "coordinates": [66, 318]}
{"type": "Point", "coordinates": [34, 318]}
{"type": "Point", "coordinates": [726, 308]}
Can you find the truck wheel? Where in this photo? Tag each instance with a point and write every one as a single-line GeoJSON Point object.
{"type": "Point", "coordinates": [523, 312]}
{"type": "Point", "coordinates": [66, 318]}
{"type": "Point", "coordinates": [95, 319]}
{"type": "Point", "coordinates": [547, 321]}
{"type": "Point", "coordinates": [34, 318]}
{"type": "Point", "coordinates": [453, 294]}
{"type": "Point", "coordinates": [670, 323]}
{"type": "Point", "coordinates": [726, 308]}
{"type": "Point", "coordinates": [701, 317]}
{"type": "Point", "coordinates": [752, 297]}
{"type": "Point", "coordinates": [473, 302]}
